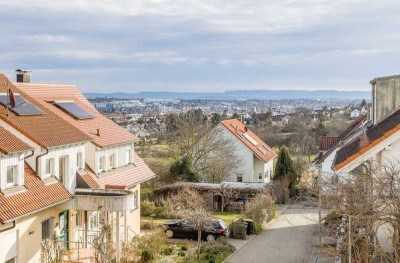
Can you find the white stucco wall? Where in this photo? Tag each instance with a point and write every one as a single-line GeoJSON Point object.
{"type": "Point", "coordinates": [71, 164]}
{"type": "Point", "coordinates": [11, 160]}
{"type": "Point", "coordinates": [119, 153]}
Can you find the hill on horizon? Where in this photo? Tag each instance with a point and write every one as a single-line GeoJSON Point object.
{"type": "Point", "coordinates": [239, 95]}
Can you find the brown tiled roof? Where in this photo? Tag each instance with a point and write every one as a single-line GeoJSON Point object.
{"type": "Point", "coordinates": [124, 177]}
{"type": "Point", "coordinates": [327, 142]}
{"type": "Point", "coordinates": [47, 129]}
{"type": "Point", "coordinates": [110, 133]}
{"type": "Point", "coordinates": [238, 129]}
{"type": "Point", "coordinates": [37, 196]}
{"type": "Point", "coordinates": [9, 143]}
{"type": "Point", "coordinates": [354, 126]}
{"type": "Point", "coordinates": [367, 140]}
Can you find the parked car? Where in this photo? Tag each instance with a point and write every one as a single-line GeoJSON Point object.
{"type": "Point", "coordinates": [214, 228]}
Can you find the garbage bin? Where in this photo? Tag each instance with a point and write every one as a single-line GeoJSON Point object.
{"type": "Point", "coordinates": [239, 229]}
{"type": "Point", "coordinates": [250, 226]}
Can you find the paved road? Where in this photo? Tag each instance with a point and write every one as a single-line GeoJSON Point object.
{"type": "Point", "coordinates": [288, 238]}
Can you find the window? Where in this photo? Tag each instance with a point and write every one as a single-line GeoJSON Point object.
{"type": "Point", "coordinates": [111, 161]}
{"type": "Point", "coordinates": [12, 172]}
{"type": "Point", "coordinates": [47, 229]}
{"type": "Point", "coordinates": [260, 176]}
{"type": "Point", "coordinates": [101, 164]}
{"type": "Point", "coordinates": [239, 179]}
{"type": "Point", "coordinates": [79, 161]}
{"type": "Point", "coordinates": [49, 167]}
{"type": "Point", "coordinates": [127, 157]}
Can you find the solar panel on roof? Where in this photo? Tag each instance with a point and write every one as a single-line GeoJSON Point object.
{"type": "Point", "coordinates": [22, 107]}
{"type": "Point", "coordinates": [74, 110]}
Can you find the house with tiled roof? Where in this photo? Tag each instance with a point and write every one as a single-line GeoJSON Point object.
{"type": "Point", "coordinates": [257, 157]}
{"type": "Point", "coordinates": [370, 138]}
{"type": "Point", "coordinates": [64, 169]}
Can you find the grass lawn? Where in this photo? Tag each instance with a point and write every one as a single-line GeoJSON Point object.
{"type": "Point", "coordinates": [228, 217]}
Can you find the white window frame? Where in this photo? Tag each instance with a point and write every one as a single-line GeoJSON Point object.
{"type": "Point", "coordinates": [14, 170]}
{"type": "Point", "coordinates": [79, 160]}
{"type": "Point", "coordinates": [127, 157]}
{"type": "Point", "coordinates": [111, 162]}
{"type": "Point", "coordinates": [49, 167]}
{"type": "Point", "coordinates": [49, 230]}
{"type": "Point", "coordinates": [101, 164]}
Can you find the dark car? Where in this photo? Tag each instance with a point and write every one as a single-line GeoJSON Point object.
{"type": "Point", "coordinates": [185, 228]}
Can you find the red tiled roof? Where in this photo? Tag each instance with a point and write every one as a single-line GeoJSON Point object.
{"type": "Point", "coordinates": [124, 177]}
{"type": "Point", "coordinates": [47, 129]}
{"type": "Point", "coordinates": [37, 196]}
{"type": "Point", "coordinates": [9, 143]}
{"type": "Point", "coordinates": [238, 129]}
{"type": "Point", "coordinates": [110, 133]}
{"type": "Point", "coordinates": [328, 142]}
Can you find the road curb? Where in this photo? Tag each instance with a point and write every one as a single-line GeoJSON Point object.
{"type": "Point", "coordinates": [247, 241]}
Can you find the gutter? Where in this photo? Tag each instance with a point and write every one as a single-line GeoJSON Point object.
{"type": "Point", "coordinates": [8, 228]}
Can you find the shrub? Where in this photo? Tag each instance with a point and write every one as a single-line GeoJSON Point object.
{"type": "Point", "coordinates": [182, 253]}
{"type": "Point", "coordinates": [148, 225]}
{"type": "Point", "coordinates": [148, 255]}
{"type": "Point", "coordinates": [258, 229]}
{"type": "Point", "coordinates": [333, 218]}
{"type": "Point", "coordinates": [147, 208]}
{"type": "Point", "coordinates": [184, 247]}
{"type": "Point", "coordinates": [260, 208]}
{"type": "Point", "coordinates": [216, 251]}
{"type": "Point", "coordinates": [167, 250]}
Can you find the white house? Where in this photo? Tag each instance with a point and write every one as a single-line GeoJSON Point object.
{"type": "Point", "coordinates": [355, 113]}
{"type": "Point", "coordinates": [369, 142]}
{"type": "Point", "coordinates": [257, 156]}
{"type": "Point", "coordinates": [64, 169]}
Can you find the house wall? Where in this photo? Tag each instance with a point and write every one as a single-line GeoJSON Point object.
{"type": "Point", "coordinates": [29, 231]}
{"type": "Point", "coordinates": [71, 167]}
{"type": "Point", "coordinates": [246, 170]}
{"type": "Point", "coordinates": [119, 153]}
{"type": "Point", "coordinates": [11, 160]}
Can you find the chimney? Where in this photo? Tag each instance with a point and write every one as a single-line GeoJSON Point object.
{"type": "Point", "coordinates": [23, 76]}
{"type": "Point", "coordinates": [98, 132]}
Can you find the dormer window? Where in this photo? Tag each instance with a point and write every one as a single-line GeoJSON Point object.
{"type": "Point", "coordinates": [50, 167]}
{"type": "Point", "coordinates": [12, 173]}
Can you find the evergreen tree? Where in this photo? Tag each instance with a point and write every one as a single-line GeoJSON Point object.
{"type": "Point", "coordinates": [284, 165]}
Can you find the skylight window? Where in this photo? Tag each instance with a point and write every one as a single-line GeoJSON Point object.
{"type": "Point", "coordinates": [233, 125]}
{"type": "Point", "coordinates": [73, 110]}
{"type": "Point", "coordinates": [22, 106]}
{"type": "Point", "coordinates": [250, 139]}
{"type": "Point", "coordinates": [262, 150]}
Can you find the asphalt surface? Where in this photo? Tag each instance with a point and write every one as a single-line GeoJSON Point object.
{"type": "Point", "coordinates": [289, 238]}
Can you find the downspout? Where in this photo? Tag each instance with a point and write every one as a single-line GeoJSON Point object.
{"type": "Point", "coordinates": [37, 160]}
{"type": "Point", "coordinates": [8, 228]}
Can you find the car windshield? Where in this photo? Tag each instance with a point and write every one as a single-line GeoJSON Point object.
{"type": "Point", "coordinates": [223, 224]}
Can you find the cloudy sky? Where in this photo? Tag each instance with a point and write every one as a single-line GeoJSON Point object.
{"type": "Point", "coordinates": [201, 45]}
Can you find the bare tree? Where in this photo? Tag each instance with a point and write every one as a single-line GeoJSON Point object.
{"type": "Point", "coordinates": [368, 202]}
{"type": "Point", "coordinates": [227, 195]}
{"type": "Point", "coordinates": [211, 155]}
{"type": "Point", "coordinates": [190, 204]}
{"type": "Point", "coordinates": [103, 245]}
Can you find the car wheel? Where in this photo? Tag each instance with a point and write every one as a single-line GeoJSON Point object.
{"type": "Point", "coordinates": [169, 233]}
{"type": "Point", "coordinates": [210, 237]}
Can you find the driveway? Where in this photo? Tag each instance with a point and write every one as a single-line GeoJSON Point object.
{"type": "Point", "coordinates": [288, 238]}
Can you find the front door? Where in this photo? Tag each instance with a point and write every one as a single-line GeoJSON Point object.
{"type": "Point", "coordinates": [63, 216]}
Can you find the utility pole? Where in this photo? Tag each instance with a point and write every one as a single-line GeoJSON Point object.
{"type": "Point", "coordinates": [349, 230]}
{"type": "Point", "coordinates": [319, 204]}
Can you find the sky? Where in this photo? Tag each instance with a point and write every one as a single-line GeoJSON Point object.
{"type": "Point", "coordinates": [201, 45]}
